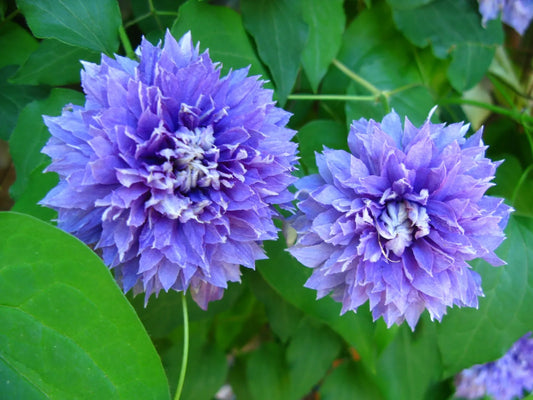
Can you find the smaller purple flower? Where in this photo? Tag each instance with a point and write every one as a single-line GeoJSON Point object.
{"type": "Point", "coordinates": [395, 221]}
{"type": "Point", "coordinates": [504, 379]}
{"type": "Point", "coordinates": [515, 13]}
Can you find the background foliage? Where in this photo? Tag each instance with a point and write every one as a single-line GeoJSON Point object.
{"type": "Point", "coordinates": [67, 332]}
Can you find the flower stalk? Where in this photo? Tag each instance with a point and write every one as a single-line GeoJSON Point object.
{"type": "Point", "coordinates": [185, 356]}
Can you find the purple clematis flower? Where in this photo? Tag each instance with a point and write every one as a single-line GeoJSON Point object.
{"type": "Point", "coordinates": [396, 221]}
{"type": "Point", "coordinates": [515, 13]}
{"type": "Point", "coordinates": [509, 377]}
{"type": "Point", "coordinates": [171, 171]}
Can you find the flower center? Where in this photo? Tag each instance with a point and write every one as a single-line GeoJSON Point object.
{"type": "Point", "coordinates": [398, 223]}
{"type": "Point", "coordinates": [183, 160]}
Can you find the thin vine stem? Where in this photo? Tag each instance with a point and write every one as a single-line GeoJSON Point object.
{"type": "Point", "coordinates": [352, 75]}
{"type": "Point", "coordinates": [185, 356]}
{"type": "Point", "coordinates": [126, 42]}
{"type": "Point", "coordinates": [519, 117]}
{"type": "Point", "coordinates": [339, 97]}
{"type": "Point", "coordinates": [523, 178]}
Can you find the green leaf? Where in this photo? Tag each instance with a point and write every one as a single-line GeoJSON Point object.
{"type": "Point", "coordinates": [316, 134]}
{"type": "Point", "coordinates": [373, 49]}
{"type": "Point", "coordinates": [287, 276]}
{"type": "Point", "coordinates": [155, 24]}
{"type": "Point", "coordinates": [53, 63]}
{"type": "Point", "coordinates": [350, 381]}
{"type": "Point", "coordinates": [266, 373]}
{"type": "Point", "coordinates": [411, 363]}
{"type": "Point", "coordinates": [283, 318]}
{"type": "Point", "coordinates": [280, 34]}
{"type": "Point", "coordinates": [453, 27]}
{"type": "Point", "coordinates": [89, 24]}
{"type": "Point", "coordinates": [38, 184]}
{"type": "Point", "coordinates": [13, 98]}
{"type": "Point", "coordinates": [16, 44]}
{"type": "Point", "coordinates": [31, 134]}
{"type": "Point", "coordinates": [469, 65]}
{"type": "Point", "coordinates": [226, 38]}
{"type": "Point", "coordinates": [66, 330]}
{"type": "Point", "coordinates": [326, 22]}
{"type": "Point", "coordinates": [310, 354]}
{"type": "Point", "coordinates": [407, 4]}
{"type": "Point", "coordinates": [163, 314]}
{"type": "Point", "coordinates": [467, 336]}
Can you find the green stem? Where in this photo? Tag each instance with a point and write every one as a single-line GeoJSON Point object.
{"type": "Point", "coordinates": [498, 110]}
{"type": "Point", "coordinates": [339, 97]}
{"type": "Point", "coordinates": [153, 11]}
{"type": "Point", "coordinates": [137, 20]}
{"type": "Point", "coordinates": [126, 42]}
{"type": "Point", "coordinates": [185, 356]}
{"type": "Point", "coordinates": [352, 75]}
{"type": "Point", "coordinates": [523, 178]}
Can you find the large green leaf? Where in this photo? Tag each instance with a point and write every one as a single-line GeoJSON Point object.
{"type": "Point", "coordinates": [16, 44]}
{"type": "Point", "coordinates": [287, 276]}
{"type": "Point", "coordinates": [280, 34]}
{"type": "Point", "coordinates": [310, 354]}
{"type": "Point", "coordinates": [454, 27]}
{"type": "Point", "coordinates": [31, 134]}
{"type": "Point", "coordinates": [374, 50]}
{"type": "Point", "coordinates": [66, 330]}
{"type": "Point", "coordinates": [266, 373]}
{"type": "Point", "coordinates": [468, 336]}
{"type": "Point", "coordinates": [90, 24]}
{"type": "Point", "coordinates": [226, 38]}
{"type": "Point", "coordinates": [313, 136]}
{"type": "Point", "coordinates": [283, 317]}
{"type": "Point", "coordinates": [411, 363]}
{"type": "Point", "coordinates": [53, 63]}
{"type": "Point", "coordinates": [13, 98]}
{"type": "Point", "coordinates": [326, 22]}
{"type": "Point", "coordinates": [350, 381]}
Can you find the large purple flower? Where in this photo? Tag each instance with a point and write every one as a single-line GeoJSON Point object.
{"type": "Point", "coordinates": [171, 171]}
{"type": "Point", "coordinates": [515, 13]}
{"type": "Point", "coordinates": [396, 221]}
{"type": "Point", "coordinates": [504, 379]}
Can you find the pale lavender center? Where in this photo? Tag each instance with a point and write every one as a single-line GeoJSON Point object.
{"type": "Point", "coordinates": [399, 223]}
{"type": "Point", "coordinates": [184, 160]}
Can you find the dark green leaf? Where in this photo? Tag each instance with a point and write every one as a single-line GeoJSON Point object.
{"type": "Point", "coordinates": [283, 318]}
{"type": "Point", "coordinates": [226, 38]}
{"type": "Point", "coordinates": [468, 336]}
{"type": "Point", "coordinates": [31, 134]}
{"type": "Point", "coordinates": [89, 24]}
{"type": "Point", "coordinates": [66, 330]}
{"type": "Point", "coordinates": [156, 23]}
{"type": "Point", "coordinates": [411, 363]}
{"type": "Point", "coordinates": [470, 62]}
{"type": "Point", "coordinates": [16, 44]}
{"type": "Point", "coordinates": [315, 135]}
{"type": "Point", "coordinates": [13, 98]}
{"type": "Point", "coordinates": [373, 49]}
{"type": "Point", "coordinates": [326, 22]}
{"type": "Point", "coordinates": [163, 314]}
{"type": "Point", "coordinates": [287, 276]}
{"type": "Point", "coordinates": [53, 63]}
{"type": "Point", "coordinates": [38, 184]}
{"type": "Point", "coordinates": [407, 4]}
{"type": "Point", "coordinates": [310, 355]}
{"type": "Point", "coordinates": [453, 27]}
{"type": "Point", "coordinates": [350, 381]}
{"type": "Point", "coordinates": [266, 373]}
{"type": "Point", "coordinates": [280, 34]}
